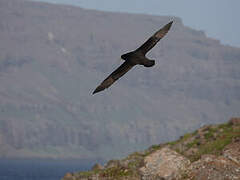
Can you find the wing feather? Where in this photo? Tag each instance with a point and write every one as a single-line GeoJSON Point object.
{"type": "Point", "coordinates": [152, 41]}
{"type": "Point", "coordinates": [114, 76]}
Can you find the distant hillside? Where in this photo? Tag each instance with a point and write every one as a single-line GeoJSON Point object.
{"type": "Point", "coordinates": [211, 152]}
{"type": "Point", "coordinates": [53, 56]}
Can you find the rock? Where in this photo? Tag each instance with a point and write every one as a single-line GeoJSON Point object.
{"type": "Point", "coordinates": [112, 163]}
{"type": "Point", "coordinates": [214, 168]}
{"type": "Point", "coordinates": [232, 152]}
{"type": "Point", "coordinates": [97, 167]}
{"type": "Point", "coordinates": [69, 176]}
{"type": "Point", "coordinates": [124, 164]}
{"type": "Point", "coordinates": [191, 151]}
{"type": "Point", "coordinates": [203, 129]}
{"type": "Point", "coordinates": [201, 134]}
{"type": "Point", "coordinates": [163, 164]}
{"type": "Point", "coordinates": [234, 121]}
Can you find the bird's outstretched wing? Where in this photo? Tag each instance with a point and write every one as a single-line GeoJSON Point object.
{"type": "Point", "coordinates": [119, 72]}
{"type": "Point", "coordinates": [152, 41]}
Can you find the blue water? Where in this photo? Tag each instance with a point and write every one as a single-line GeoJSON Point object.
{"type": "Point", "coordinates": [40, 169]}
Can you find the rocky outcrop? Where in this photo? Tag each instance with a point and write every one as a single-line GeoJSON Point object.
{"type": "Point", "coordinates": [164, 163]}
{"type": "Point", "coordinates": [232, 151]}
{"type": "Point", "coordinates": [69, 176]}
{"type": "Point", "coordinates": [235, 121]}
{"type": "Point", "coordinates": [214, 168]}
{"type": "Point", "coordinates": [214, 157]}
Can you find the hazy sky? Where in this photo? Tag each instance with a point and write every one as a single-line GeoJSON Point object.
{"type": "Point", "coordinates": [218, 18]}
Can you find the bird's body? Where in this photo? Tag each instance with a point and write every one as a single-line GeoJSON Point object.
{"type": "Point", "coordinates": [133, 58]}
{"type": "Point", "coordinates": [137, 58]}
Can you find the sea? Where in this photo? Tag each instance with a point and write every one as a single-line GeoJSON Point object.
{"type": "Point", "coordinates": [35, 169]}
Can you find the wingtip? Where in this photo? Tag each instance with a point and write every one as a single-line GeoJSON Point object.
{"type": "Point", "coordinates": [168, 26]}
{"type": "Point", "coordinates": [95, 91]}
{"type": "Point", "coordinates": [98, 89]}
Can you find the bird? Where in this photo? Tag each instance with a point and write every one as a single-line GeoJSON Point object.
{"type": "Point", "coordinates": [136, 57]}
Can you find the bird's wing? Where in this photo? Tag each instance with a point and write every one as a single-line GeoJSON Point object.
{"type": "Point", "coordinates": [152, 41]}
{"type": "Point", "coordinates": [115, 75]}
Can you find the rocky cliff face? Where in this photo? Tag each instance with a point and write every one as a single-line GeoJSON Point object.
{"type": "Point", "coordinates": [53, 56]}
{"type": "Point", "coordinates": [211, 152]}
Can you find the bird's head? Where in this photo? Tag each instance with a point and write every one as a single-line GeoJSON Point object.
{"type": "Point", "coordinates": [124, 57]}
{"type": "Point", "coordinates": [127, 55]}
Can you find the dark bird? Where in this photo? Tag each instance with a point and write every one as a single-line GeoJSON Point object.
{"type": "Point", "coordinates": [135, 57]}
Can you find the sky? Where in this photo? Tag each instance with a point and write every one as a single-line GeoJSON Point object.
{"type": "Point", "coordinates": [218, 18]}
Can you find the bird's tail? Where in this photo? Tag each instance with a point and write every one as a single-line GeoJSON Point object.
{"type": "Point", "coordinates": [149, 63]}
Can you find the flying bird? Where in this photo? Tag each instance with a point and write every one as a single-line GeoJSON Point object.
{"type": "Point", "coordinates": [133, 58]}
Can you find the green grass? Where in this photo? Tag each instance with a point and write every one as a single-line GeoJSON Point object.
{"type": "Point", "coordinates": [192, 144]}
{"type": "Point", "coordinates": [182, 139]}
{"type": "Point", "coordinates": [155, 147]}
{"type": "Point", "coordinates": [186, 136]}
{"type": "Point", "coordinates": [216, 138]}
{"type": "Point", "coordinates": [116, 172]}
{"type": "Point", "coordinates": [210, 133]}
{"type": "Point", "coordinates": [225, 134]}
{"type": "Point", "coordinates": [86, 174]}
{"type": "Point", "coordinates": [173, 143]}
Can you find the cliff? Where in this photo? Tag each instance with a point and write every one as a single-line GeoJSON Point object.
{"type": "Point", "coordinates": [53, 56]}
{"type": "Point", "coordinates": [211, 152]}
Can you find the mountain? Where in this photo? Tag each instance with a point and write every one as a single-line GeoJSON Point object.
{"type": "Point", "coordinates": [53, 57]}
{"type": "Point", "coordinates": [211, 152]}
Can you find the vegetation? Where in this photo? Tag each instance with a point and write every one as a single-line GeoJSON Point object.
{"type": "Point", "coordinates": [209, 139]}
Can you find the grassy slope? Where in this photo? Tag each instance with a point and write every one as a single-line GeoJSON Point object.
{"type": "Point", "coordinates": [209, 139]}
